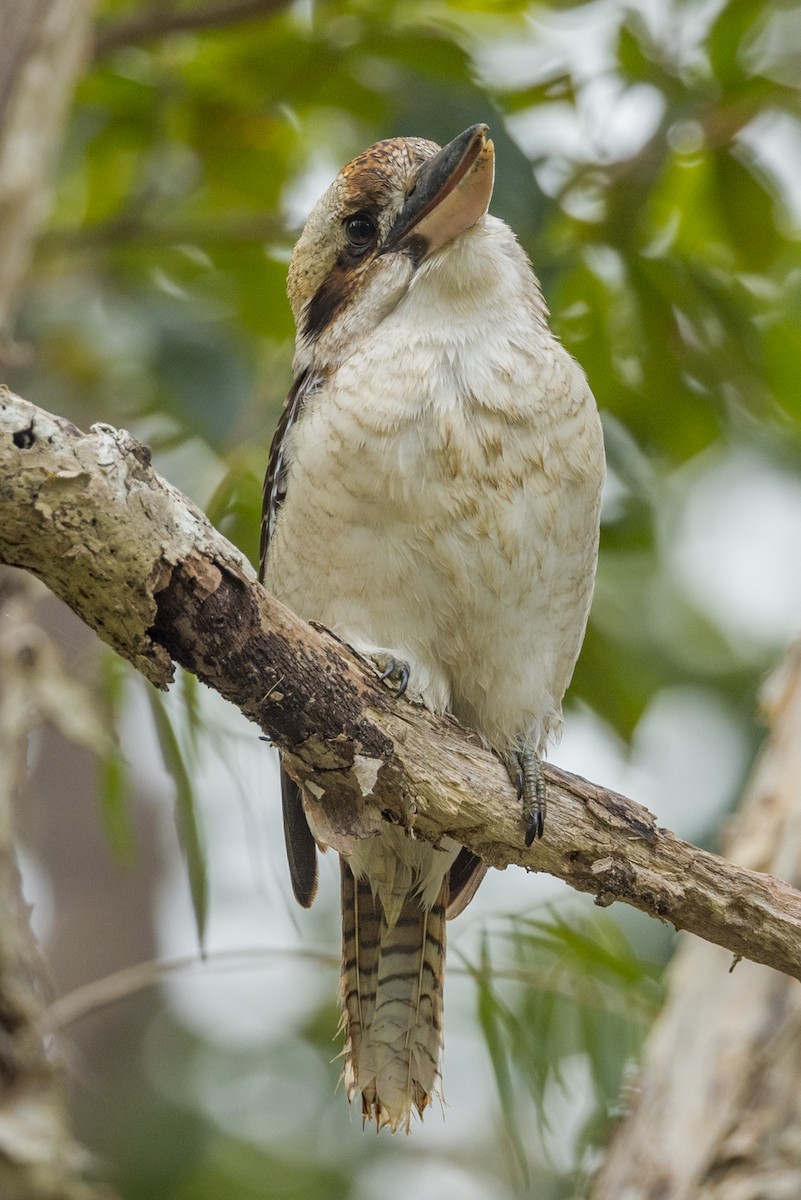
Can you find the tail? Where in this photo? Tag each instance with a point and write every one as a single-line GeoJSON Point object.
{"type": "Point", "coordinates": [391, 995]}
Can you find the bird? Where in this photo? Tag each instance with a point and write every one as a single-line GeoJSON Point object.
{"type": "Point", "coordinates": [432, 497]}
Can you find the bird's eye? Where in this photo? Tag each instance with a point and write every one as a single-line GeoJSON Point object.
{"type": "Point", "coordinates": [360, 230]}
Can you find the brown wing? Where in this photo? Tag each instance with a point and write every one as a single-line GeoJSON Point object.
{"type": "Point", "coordinates": [274, 492]}
{"type": "Point", "coordinates": [301, 850]}
{"type": "Point", "coordinates": [464, 878]}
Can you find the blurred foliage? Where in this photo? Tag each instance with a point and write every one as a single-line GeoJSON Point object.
{"type": "Point", "coordinates": [581, 994]}
{"type": "Point", "coordinates": [182, 765]}
{"type": "Point", "coordinates": [114, 784]}
{"type": "Point", "coordinates": [649, 158]}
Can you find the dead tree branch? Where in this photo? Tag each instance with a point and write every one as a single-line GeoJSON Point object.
{"type": "Point", "coordinates": [144, 568]}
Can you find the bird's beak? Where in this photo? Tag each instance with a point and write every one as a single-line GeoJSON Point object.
{"type": "Point", "coordinates": [448, 194]}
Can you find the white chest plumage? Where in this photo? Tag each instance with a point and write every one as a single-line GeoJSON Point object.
{"type": "Point", "coordinates": [442, 497]}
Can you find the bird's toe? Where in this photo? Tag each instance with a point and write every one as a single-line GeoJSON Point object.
{"type": "Point", "coordinates": [394, 671]}
{"type": "Point", "coordinates": [525, 772]}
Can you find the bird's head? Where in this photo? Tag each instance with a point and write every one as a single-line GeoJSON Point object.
{"type": "Point", "coordinates": [386, 213]}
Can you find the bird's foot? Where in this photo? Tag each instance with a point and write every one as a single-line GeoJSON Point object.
{"type": "Point", "coordinates": [394, 671]}
{"type": "Point", "coordinates": [525, 772]}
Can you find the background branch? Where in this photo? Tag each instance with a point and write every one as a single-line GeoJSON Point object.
{"type": "Point", "coordinates": [144, 568]}
{"type": "Point", "coordinates": [159, 22]}
{"type": "Point", "coordinates": [727, 1107]}
{"type": "Point", "coordinates": [38, 1158]}
{"type": "Point", "coordinates": [42, 48]}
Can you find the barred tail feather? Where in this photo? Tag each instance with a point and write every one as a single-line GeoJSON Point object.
{"type": "Point", "coordinates": [361, 931]}
{"type": "Point", "coordinates": [392, 998]}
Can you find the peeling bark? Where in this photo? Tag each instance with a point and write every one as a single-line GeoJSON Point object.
{"type": "Point", "coordinates": [143, 567]}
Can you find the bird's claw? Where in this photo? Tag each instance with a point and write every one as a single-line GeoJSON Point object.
{"type": "Point", "coordinates": [525, 772]}
{"type": "Point", "coordinates": [395, 670]}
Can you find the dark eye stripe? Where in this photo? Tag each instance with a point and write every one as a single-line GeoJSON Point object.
{"type": "Point", "coordinates": [336, 287]}
{"type": "Point", "coordinates": [327, 300]}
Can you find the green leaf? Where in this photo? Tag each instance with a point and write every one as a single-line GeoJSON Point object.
{"type": "Point", "coordinates": [114, 793]}
{"type": "Point", "coordinates": [189, 688]}
{"type": "Point", "coordinates": [491, 1016]}
{"type": "Point", "coordinates": [235, 507]}
{"type": "Point", "coordinates": [185, 810]}
{"type": "Point", "coordinates": [575, 988]}
{"type": "Point", "coordinates": [734, 24]}
{"type": "Point", "coordinates": [114, 785]}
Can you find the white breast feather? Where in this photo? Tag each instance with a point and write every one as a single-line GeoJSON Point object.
{"type": "Point", "coordinates": [443, 493]}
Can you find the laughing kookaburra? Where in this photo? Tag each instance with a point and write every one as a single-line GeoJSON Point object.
{"type": "Point", "coordinates": [432, 497]}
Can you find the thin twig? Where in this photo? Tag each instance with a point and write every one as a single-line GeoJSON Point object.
{"type": "Point", "coordinates": [121, 985]}
{"type": "Point", "coordinates": [133, 230]}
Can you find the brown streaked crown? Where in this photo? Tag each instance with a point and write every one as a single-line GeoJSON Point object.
{"type": "Point", "coordinates": [325, 269]}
